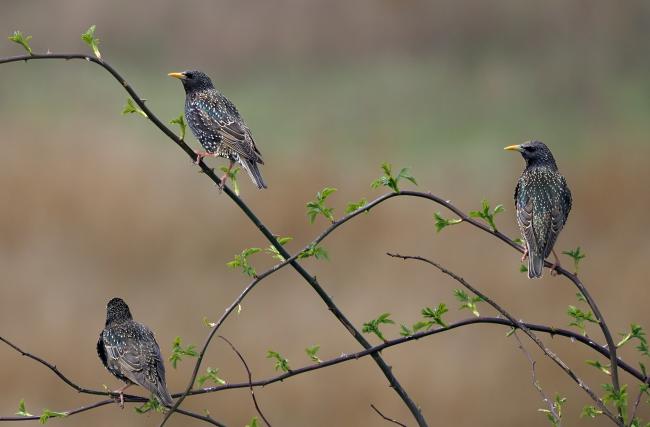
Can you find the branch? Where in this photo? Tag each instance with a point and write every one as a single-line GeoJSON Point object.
{"type": "Point", "coordinates": [385, 368]}
{"type": "Point", "coordinates": [526, 330]}
{"type": "Point", "coordinates": [250, 379]}
{"type": "Point", "coordinates": [385, 417]}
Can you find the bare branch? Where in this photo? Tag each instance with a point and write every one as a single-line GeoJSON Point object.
{"type": "Point", "coordinates": [545, 398]}
{"type": "Point", "coordinates": [526, 330]}
{"type": "Point", "coordinates": [385, 417]}
{"type": "Point", "coordinates": [250, 379]}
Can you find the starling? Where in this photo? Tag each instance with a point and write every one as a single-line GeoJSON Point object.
{"type": "Point", "coordinates": [543, 202]}
{"type": "Point", "coordinates": [129, 351]}
{"type": "Point", "coordinates": [216, 123]}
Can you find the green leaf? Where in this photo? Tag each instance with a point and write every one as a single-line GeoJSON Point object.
{"type": "Point", "coordinates": [316, 207]}
{"type": "Point", "coordinates": [618, 398]}
{"type": "Point", "coordinates": [312, 352]}
{"type": "Point", "coordinates": [131, 108]}
{"type": "Point", "coordinates": [373, 326]}
{"type": "Point", "coordinates": [444, 222]}
{"type": "Point", "coordinates": [435, 314]}
{"type": "Point", "coordinates": [577, 256]}
{"type": "Point", "coordinates": [581, 297]}
{"type": "Point", "coordinates": [596, 364]}
{"type": "Point", "coordinates": [22, 40]}
{"type": "Point", "coordinates": [151, 405]}
{"type": "Point", "coordinates": [92, 41]}
{"type": "Point", "coordinates": [21, 409]}
{"type": "Point", "coordinates": [486, 215]}
{"type": "Point", "coordinates": [253, 423]}
{"type": "Point", "coordinates": [180, 121]}
{"type": "Point", "coordinates": [468, 302]}
{"type": "Point", "coordinates": [580, 317]}
{"type": "Point", "coordinates": [636, 332]}
{"type": "Point", "coordinates": [211, 374]}
{"type": "Point", "coordinates": [355, 206]}
{"type": "Point", "coordinates": [272, 250]}
{"type": "Point", "coordinates": [590, 411]}
{"type": "Point", "coordinates": [47, 414]}
{"type": "Point", "coordinates": [405, 331]}
{"type": "Point", "coordinates": [232, 175]}
{"type": "Point", "coordinates": [518, 241]}
{"type": "Point", "coordinates": [281, 364]}
{"type": "Point", "coordinates": [523, 268]}
{"type": "Point", "coordinates": [390, 181]}
{"type": "Point", "coordinates": [178, 352]}
{"type": "Point", "coordinates": [315, 251]}
{"type": "Point", "coordinates": [207, 322]}
{"type": "Point", "coordinates": [241, 261]}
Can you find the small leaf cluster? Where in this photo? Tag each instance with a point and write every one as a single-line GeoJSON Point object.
{"type": "Point", "coordinates": [316, 251]}
{"type": "Point", "coordinates": [577, 256]}
{"type": "Point", "coordinates": [253, 423]}
{"type": "Point", "coordinates": [178, 352]}
{"type": "Point", "coordinates": [180, 122]}
{"type": "Point", "coordinates": [468, 302]}
{"type": "Point", "coordinates": [92, 41]}
{"type": "Point", "coordinates": [312, 352]}
{"type": "Point", "coordinates": [486, 215]}
{"type": "Point", "coordinates": [579, 318]}
{"type": "Point", "coordinates": [317, 207]}
{"type": "Point", "coordinates": [391, 181]}
{"type": "Point", "coordinates": [241, 261]}
{"type": "Point", "coordinates": [618, 398]}
{"type": "Point", "coordinates": [18, 37]}
{"type": "Point", "coordinates": [373, 326]}
{"type": "Point", "coordinates": [281, 364]}
{"type": "Point", "coordinates": [211, 374]}
{"type": "Point", "coordinates": [636, 332]}
{"type": "Point", "coordinates": [45, 415]}
{"type": "Point", "coordinates": [355, 206]}
{"type": "Point", "coordinates": [274, 252]}
{"type": "Point", "coordinates": [442, 222]}
{"type": "Point", "coordinates": [151, 405]}
{"type": "Point", "coordinates": [431, 317]}
{"type": "Point", "coordinates": [131, 108]}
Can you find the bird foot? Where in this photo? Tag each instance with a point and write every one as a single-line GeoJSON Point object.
{"type": "Point", "coordinates": [119, 399]}
{"type": "Point", "coordinates": [223, 180]}
{"type": "Point", "coordinates": [201, 154]}
{"type": "Point", "coordinates": [555, 265]}
{"type": "Point", "coordinates": [525, 255]}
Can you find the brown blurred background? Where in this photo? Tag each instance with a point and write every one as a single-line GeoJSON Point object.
{"type": "Point", "coordinates": [95, 204]}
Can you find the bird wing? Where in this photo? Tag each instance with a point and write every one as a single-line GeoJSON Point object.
{"type": "Point", "coordinates": [525, 220]}
{"type": "Point", "coordinates": [234, 136]}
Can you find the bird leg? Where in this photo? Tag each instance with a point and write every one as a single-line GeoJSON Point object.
{"type": "Point", "coordinates": [120, 391]}
{"type": "Point", "coordinates": [555, 265]}
{"type": "Point", "coordinates": [224, 178]}
{"type": "Point", "coordinates": [202, 154]}
{"type": "Point", "coordinates": [525, 255]}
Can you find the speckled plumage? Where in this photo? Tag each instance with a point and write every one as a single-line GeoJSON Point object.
{"type": "Point", "coordinates": [216, 123]}
{"type": "Point", "coordinates": [129, 351]}
{"type": "Point", "coordinates": [542, 201]}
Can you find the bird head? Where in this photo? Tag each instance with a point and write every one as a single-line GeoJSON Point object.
{"type": "Point", "coordinates": [193, 80]}
{"type": "Point", "coordinates": [536, 153]}
{"type": "Point", "coordinates": [117, 311]}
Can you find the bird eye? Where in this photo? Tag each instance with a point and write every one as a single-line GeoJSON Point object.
{"type": "Point", "coordinates": [189, 75]}
{"type": "Point", "coordinates": [528, 148]}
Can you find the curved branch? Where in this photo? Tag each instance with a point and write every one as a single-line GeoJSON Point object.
{"type": "Point", "coordinates": [333, 308]}
{"type": "Point", "coordinates": [555, 358]}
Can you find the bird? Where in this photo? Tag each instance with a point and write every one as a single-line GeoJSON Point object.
{"type": "Point", "coordinates": [542, 203]}
{"type": "Point", "coordinates": [216, 123]}
{"type": "Point", "coordinates": [130, 352]}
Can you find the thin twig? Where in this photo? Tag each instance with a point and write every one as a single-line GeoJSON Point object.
{"type": "Point", "coordinates": [385, 417]}
{"type": "Point", "coordinates": [526, 330]}
{"type": "Point", "coordinates": [250, 380]}
{"type": "Point", "coordinates": [545, 398]}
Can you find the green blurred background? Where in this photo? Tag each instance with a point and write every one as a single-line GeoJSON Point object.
{"type": "Point", "coordinates": [96, 204]}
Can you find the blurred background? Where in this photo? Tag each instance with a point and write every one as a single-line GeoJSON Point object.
{"type": "Point", "coordinates": [95, 204]}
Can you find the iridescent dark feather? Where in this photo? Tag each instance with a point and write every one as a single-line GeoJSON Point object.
{"type": "Point", "coordinates": [216, 123]}
{"type": "Point", "coordinates": [542, 201]}
{"type": "Point", "coordinates": [130, 352]}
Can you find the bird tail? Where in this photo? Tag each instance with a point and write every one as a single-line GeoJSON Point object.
{"type": "Point", "coordinates": [163, 395]}
{"type": "Point", "coordinates": [535, 266]}
{"type": "Point", "coordinates": [253, 172]}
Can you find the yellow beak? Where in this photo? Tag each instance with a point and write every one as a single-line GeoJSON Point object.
{"type": "Point", "coordinates": [513, 147]}
{"type": "Point", "coordinates": [177, 75]}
